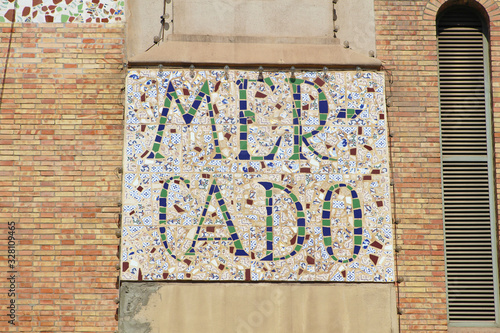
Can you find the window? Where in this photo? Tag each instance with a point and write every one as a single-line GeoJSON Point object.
{"type": "Point", "coordinates": [467, 168]}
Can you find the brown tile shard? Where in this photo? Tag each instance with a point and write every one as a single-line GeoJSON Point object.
{"type": "Point", "coordinates": [319, 82]}
{"type": "Point", "coordinates": [26, 11]}
{"type": "Point", "coordinates": [10, 15]}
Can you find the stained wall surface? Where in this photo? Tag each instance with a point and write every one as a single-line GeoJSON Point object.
{"type": "Point", "coordinates": [267, 18]}
{"type": "Point", "coordinates": [269, 307]}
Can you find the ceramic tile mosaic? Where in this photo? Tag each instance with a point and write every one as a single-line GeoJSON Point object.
{"type": "Point", "coordinates": [232, 176]}
{"type": "Point", "coordinates": [62, 11]}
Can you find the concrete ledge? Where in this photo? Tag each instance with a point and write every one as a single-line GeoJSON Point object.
{"type": "Point", "coordinates": [224, 51]}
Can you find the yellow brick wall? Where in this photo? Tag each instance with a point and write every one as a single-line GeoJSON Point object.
{"type": "Point", "coordinates": [406, 43]}
{"type": "Point", "coordinates": [61, 138]}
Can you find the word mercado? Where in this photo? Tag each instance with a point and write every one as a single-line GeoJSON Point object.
{"type": "Point", "coordinates": [233, 176]}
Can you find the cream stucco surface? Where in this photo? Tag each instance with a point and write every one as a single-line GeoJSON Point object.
{"type": "Point", "coordinates": [292, 18]}
{"type": "Point", "coordinates": [263, 307]}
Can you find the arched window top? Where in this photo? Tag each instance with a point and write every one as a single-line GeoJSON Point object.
{"type": "Point", "coordinates": [473, 15]}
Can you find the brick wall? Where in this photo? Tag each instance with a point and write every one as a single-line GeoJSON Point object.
{"type": "Point", "coordinates": [61, 141]}
{"type": "Point", "coordinates": [406, 42]}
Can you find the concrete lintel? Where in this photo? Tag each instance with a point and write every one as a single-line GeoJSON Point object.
{"type": "Point", "coordinates": [224, 51]}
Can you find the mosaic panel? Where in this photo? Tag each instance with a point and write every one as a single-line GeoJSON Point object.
{"type": "Point", "coordinates": [62, 11]}
{"type": "Point", "coordinates": [245, 176]}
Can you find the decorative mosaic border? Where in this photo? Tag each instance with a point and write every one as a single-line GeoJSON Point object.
{"type": "Point", "coordinates": [62, 11]}
{"type": "Point", "coordinates": [232, 176]}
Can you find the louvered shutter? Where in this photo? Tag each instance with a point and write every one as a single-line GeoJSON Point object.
{"type": "Point", "coordinates": [466, 168]}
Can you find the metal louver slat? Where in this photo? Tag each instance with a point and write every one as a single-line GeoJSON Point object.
{"type": "Point", "coordinates": [470, 254]}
